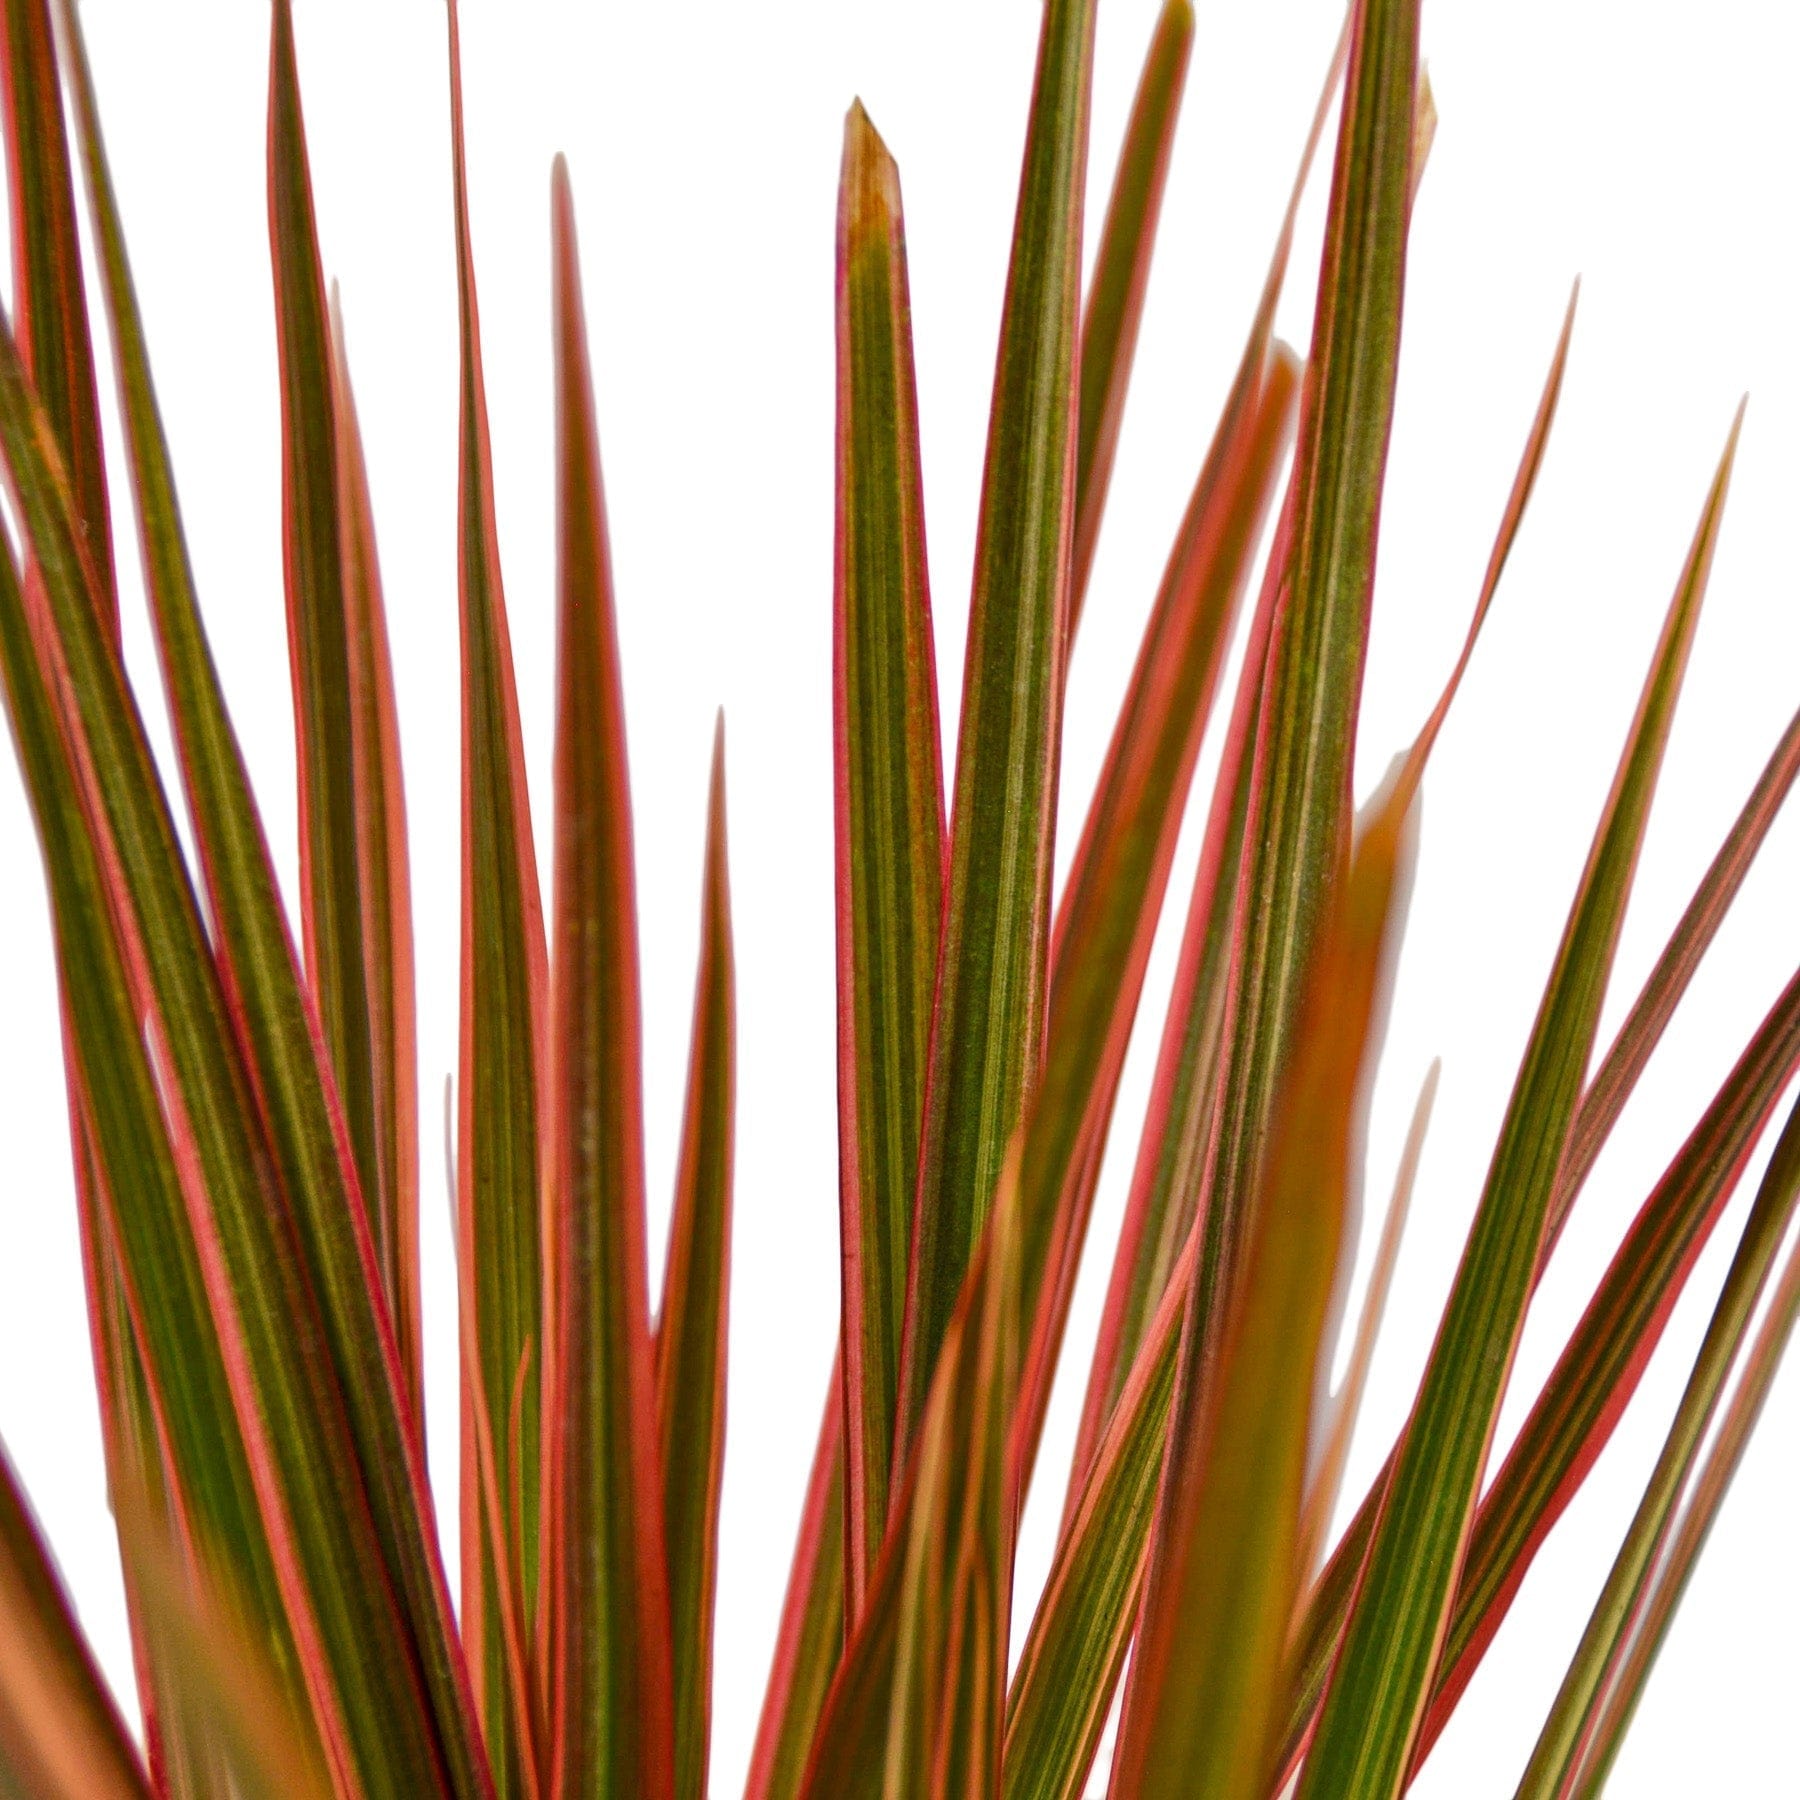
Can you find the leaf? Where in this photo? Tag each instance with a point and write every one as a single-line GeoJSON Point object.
{"type": "Point", "coordinates": [168, 1405]}
{"type": "Point", "coordinates": [889, 815]}
{"type": "Point", "coordinates": [1107, 920]}
{"type": "Point", "coordinates": [1688, 1535]}
{"type": "Point", "coordinates": [50, 319]}
{"type": "Point", "coordinates": [810, 1638]}
{"type": "Point", "coordinates": [503, 1233]}
{"type": "Point", "coordinates": [1579, 1404]}
{"type": "Point", "coordinates": [1206, 1683]}
{"type": "Point", "coordinates": [691, 1324]}
{"type": "Point", "coordinates": [1346, 1404]}
{"type": "Point", "coordinates": [384, 881]}
{"type": "Point", "coordinates": [993, 959]}
{"type": "Point", "coordinates": [1115, 297]}
{"type": "Point", "coordinates": [1562, 1745]}
{"type": "Point", "coordinates": [61, 1737]}
{"type": "Point", "coordinates": [1381, 1681]}
{"type": "Point", "coordinates": [313, 564]}
{"type": "Point", "coordinates": [611, 1706]}
{"type": "Point", "coordinates": [362, 1552]}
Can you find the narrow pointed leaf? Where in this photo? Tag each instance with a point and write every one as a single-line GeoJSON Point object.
{"type": "Point", "coordinates": [313, 564]}
{"type": "Point", "coordinates": [691, 1323]}
{"type": "Point", "coordinates": [1207, 1683]}
{"type": "Point", "coordinates": [1579, 1404]}
{"type": "Point", "coordinates": [385, 885]}
{"type": "Point", "coordinates": [1115, 297]}
{"type": "Point", "coordinates": [1564, 1741]}
{"type": "Point", "coordinates": [611, 1695]}
{"type": "Point", "coordinates": [500, 1085]}
{"type": "Point", "coordinates": [993, 962]}
{"type": "Point", "coordinates": [1688, 1538]}
{"type": "Point", "coordinates": [350, 1401]}
{"type": "Point", "coordinates": [890, 816]}
{"type": "Point", "coordinates": [61, 1737]}
{"type": "Point", "coordinates": [1110, 908]}
{"type": "Point", "coordinates": [1381, 1682]}
{"type": "Point", "coordinates": [809, 1642]}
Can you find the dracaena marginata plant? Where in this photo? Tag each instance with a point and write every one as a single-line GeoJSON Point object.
{"type": "Point", "coordinates": [247, 1143]}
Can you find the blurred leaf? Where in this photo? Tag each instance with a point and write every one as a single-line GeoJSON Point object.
{"type": "Point", "coordinates": [384, 881]}
{"type": "Point", "coordinates": [890, 815]}
{"type": "Point", "coordinates": [1115, 296]}
{"type": "Point", "coordinates": [993, 961]}
{"type": "Point", "coordinates": [61, 1737]}
{"type": "Point", "coordinates": [1206, 1683]}
{"type": "Point", "coordinates": [809, 1641]}
{"type": "Point", "coordinates": [1567, 1733]}
{"type": "Point", "coordinates": [611, 1712]}
{"type": "Point", "coordinates": [691, 1324]}
{"type": "Point", "coordinates": [1381, 1681]}
{"type": "Point", "coordinates": [502, 1231]}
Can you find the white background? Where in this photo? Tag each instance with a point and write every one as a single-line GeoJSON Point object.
{"type": "Point", "coordinates": [1650, 147]}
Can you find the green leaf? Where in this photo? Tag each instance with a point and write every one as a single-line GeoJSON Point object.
{"type": "Point", "coordinates": [810, 1639]}
{"type": "Point", "coordinates": [1206, 1683]}
{"type": "Point", "coordinates": [1566, 1737]}
{"type": "Point", "coordinates": [313, 563]}
{"type": "Point", "coordinates": [1115, 297]}
{"type": "Point", "coordinates": [1378, 1692]}
{"type": "Point", "coordinates": [502, 1231]}
{"type": "Point", "coordinates": [61, 1737]}
{"type": "Point", "coordinates": [611, 1704]}
{"type": "Point", "coordinates": [993, 961]}
{"type": "Point", "coordinates": [343, 1472]}
{"type": "Point", "coordinates": [1107, 921]}
{"type": "Point", "coordinates": [691, 1323]}
{"type": "Point", "coordinates": [1579, 1404]}
{"type": "Point", "coordinates": [384, 882]}
{"type": "Point", "coordinates": [890, 815]}
{"type": "Point", "coordinates": [1687, 1536]}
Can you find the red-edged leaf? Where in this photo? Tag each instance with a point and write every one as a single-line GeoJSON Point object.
{"type": "Point", "coordinates": [502, 1232]}
{"type": "Point", "coordinates": [313, 565]}
{"type": "Point", "coordinates": [691, 1323]}
{"type": "Point", "coordinates": [384, 880]}
{"type": "Point", "coordinates": [1206, 1683]}
{"type": "Point", "coordinates": [1567, 1736]}
{"type": "Point", "coordinates": [362, 1579]}
{"type": "Point", "coordinates": [1377, 1695]}
{"type": "Point", "coordinates": [611, 1708]}
{"type": "Point", "coordinates": [993, 962]}
{"type": "Point", "coordinates": [889, 816]}
{"type": "Point", "coordinates": [810, 1639]}
{"type": "Point", "coordinates": [1115, 297]}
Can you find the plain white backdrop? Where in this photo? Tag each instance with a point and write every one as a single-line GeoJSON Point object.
{"type": "Point", "coordinates": [1651, 148]}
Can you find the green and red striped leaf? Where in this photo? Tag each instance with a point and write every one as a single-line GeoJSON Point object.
{"type": "Point", "coordinates": [993, 961]}
{"type": "Point", "coordinates": [1207, 1681]}
{"type": "Point", "coordinates": [503, 1235]}
{"type": "Point", "coordinates": [889, 817]}
{"type": "Point", "coordinates": [1377, 1695]}
{"type": "Point", "coordinates": [257, 1113]}
{"type": "Point", "coordinates": [384, 881]}
{"type": "Point", "coordinates": [1115, 296]}
{"type": "Point", "coordinates": [1566, 1739]}
{"type": "Point", "coordinates": [691, 1322]}
{"type": "Point", "coordinates": [313, 566]}
{"type": "Point", "coordinates": [610, 1671]}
